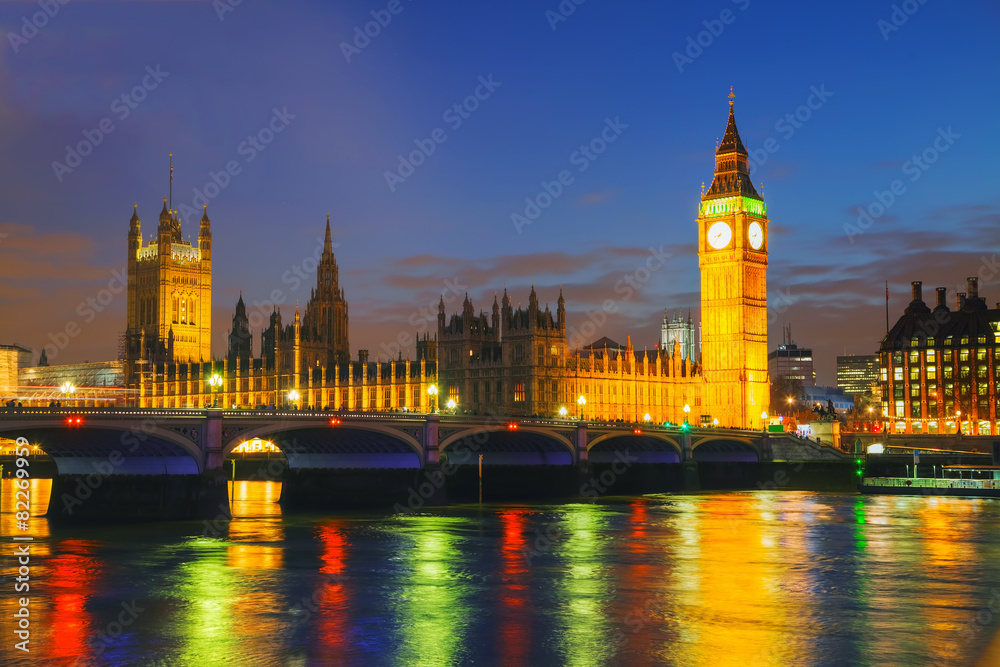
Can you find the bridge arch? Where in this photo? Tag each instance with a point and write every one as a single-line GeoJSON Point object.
{"type": "Point", "coordinates": [725, 448]}
{"type": "Point", "coordinates": [140, 449]}
{"type": "Point", "coordinates": [646, 447]}
{"type": "Point", "coordinates": [347, 445]}
{"type": "Point", "coordinates": [501, 445]}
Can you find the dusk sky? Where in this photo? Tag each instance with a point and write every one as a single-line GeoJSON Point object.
{"type": "Point", "coordinates": [926, 87]}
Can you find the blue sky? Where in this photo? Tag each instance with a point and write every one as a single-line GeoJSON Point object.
{"type": "Point", "coordinates": [448, 225]}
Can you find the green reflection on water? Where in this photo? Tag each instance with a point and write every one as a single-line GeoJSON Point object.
{"type": "Point", "coordinates": [583, 587]}
{"type": "Point", "coordinates": [204, 589]}
{"type": "Point", "coordinates": [433, 611]}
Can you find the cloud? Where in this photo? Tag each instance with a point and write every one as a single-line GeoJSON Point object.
{"type": "Point", "coordinates": [592, 198]}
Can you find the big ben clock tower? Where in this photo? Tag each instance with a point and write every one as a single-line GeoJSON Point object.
{"type": "Point", "coordinates": [732, 256]}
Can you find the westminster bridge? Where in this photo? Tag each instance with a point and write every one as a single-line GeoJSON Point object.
{"type": "Point", "coordinates": [168, 461]}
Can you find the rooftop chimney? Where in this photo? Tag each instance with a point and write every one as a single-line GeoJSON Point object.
{"type": "Point", "coordinates": [942, 296]}
{"type": "Point", "coordinates": [917, 292]}
{"type": "Point", "coordinates": [973, 287]}
{"type": "Point", "coordinates": [961, 300]}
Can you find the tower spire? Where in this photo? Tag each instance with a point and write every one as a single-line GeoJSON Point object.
{"type": "Point", "coordinates": [170, 189]}
{"type": "Point", "coordinates": [328, 242]}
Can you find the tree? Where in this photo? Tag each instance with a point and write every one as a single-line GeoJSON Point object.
{"type": "Point", "coordinates": [783, 388]}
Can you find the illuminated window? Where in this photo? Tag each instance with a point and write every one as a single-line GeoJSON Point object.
{"type": "Point", "coordinates": [932, 372]}
{"type": "Point", "coordinates": [963, 355]}
{"type": "Point", "coordinates": [963, 372]}
{"type": "Point", "coordinates": [930, 356]}
{"type": "Point", "coordinates": [930, 341]}
{"type": "Point", "coordinates": [965, 340]}
{"type": "Point", "coordinates": [982, 340]}
{"type": "Point", "coordinates": [914, 357]}
{"type": "Point", "coordinates": [949, 372]}
{"type": "Point", "coordinates": [980, 355]}
{"type": "Point", "coordinates": [947, 341]}
{"type": "Point", "coordinates": [897, 373]}
{"type": "Point", "coordinates": [519, 392]}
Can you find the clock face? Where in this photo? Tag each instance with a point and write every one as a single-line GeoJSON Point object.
{"type": "Point", "coordinates": [755, 235]}
{"type": "Point", "coordinates": [719, 235]}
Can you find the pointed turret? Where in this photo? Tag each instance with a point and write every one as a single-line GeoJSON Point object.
{"type": "Point", "coordinates": [732, 170]}
{"type": "Point", "coordinates": [328, 241]}
{"type": "Point", "coordinates": [561, 311]}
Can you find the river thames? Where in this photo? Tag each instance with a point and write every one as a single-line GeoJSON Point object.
{"type": "Point", "coordinates": [755, 578]}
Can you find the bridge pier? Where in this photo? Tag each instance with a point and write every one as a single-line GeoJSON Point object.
{"type": "Point", "coordinates": [584, 471]}
{"type": "Point", "coordinates": [214, 498]}
{"type": "Point", "coordinates": [430, 482]}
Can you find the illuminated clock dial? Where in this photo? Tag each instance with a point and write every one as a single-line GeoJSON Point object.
{"type": "Point", "coordinates": [719, 235]}
{"type": "Point", "coordinates": [755, 235]}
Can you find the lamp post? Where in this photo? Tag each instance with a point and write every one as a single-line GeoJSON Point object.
{"type": "Point", "coordinates": [687, 411]}
{"type": "Point", "coordinates": [68, 389]}
{"type": "Point", "coordinates": [958, 419]}
{"type": "Point", "coordinates": [215, 382]}
{"type": "Point", "coordinates": [581, 402]}
{"type": "Point", "coordinates": [646, 417]}
{"type": "Point", "coordinates": [715, 422]}
{"type": "Point", "coordinates": [563, 412]}
{"type": "Point", "coordinates": [871, 419]}
{"type": "Point", "coordinates": [293, 396]}
{"type": "Point", "coordinates": [452, 405]}
{"type": "Point", "coordinates": [763, 418]}
{"type": "Point", "coordinates": [432, 391]}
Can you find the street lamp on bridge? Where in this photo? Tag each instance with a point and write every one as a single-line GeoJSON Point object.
{"type": "Point", "coordinates": [563, 412]}
{"type": "Point", "coordinates": [215, 382]}
{"type": "Point", "coordinates": [581, 402]}
{"type": "Point", "coordinates": [432, 391]}
{"type": "Point", "coordinates": [293, 396]}
{"type": "Point", "coordinates": [687, 411]}
{"type": "Point", "coordinates": [452, 404]}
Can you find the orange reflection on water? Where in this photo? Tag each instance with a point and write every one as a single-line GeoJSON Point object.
{"type": "Point", "coordinates": [332, 593]}
{"type": "Point", "coordinates": [255, 526]}
{"type": "Point", "coordinates": [732, 593]}
{"type": "Point", "coordinates": [515, 629]}
{"type": "Point", "coordinates": [943, 524]}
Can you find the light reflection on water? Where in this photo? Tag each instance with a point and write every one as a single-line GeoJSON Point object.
{"type": "Point", "coordinates": [716, 579]}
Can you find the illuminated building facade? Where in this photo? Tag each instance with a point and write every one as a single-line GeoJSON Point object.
{"type": "Point", "coordinates": [681, 330]}
{"type": "Point", "coordinates": [732, 256]}
{"type": "Point", "coordinates": [940, 367]}
{"type": "Point", "coordinates": [304, 363]}
{"type": "Point", "coordinates": [856, 373]}
{"type": "Point", "coordinates": [169, 309]}
{"type": "Point", "coordinates": [517, 362]}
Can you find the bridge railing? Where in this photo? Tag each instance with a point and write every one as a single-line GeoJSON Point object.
{"type": "Point", "coordinates": [932, 483]}
{"type": "Point", "coordinates": [12, 413]}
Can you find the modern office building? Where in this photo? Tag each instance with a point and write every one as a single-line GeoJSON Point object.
{"type": "Point", "coordinates": [856, 373]}
{"type": "Point", "coordinates": [792, 361]}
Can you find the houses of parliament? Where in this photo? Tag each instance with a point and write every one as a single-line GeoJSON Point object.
{"type": "Point", "coordinates": [509, 361]}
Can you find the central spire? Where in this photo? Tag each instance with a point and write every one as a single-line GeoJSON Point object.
{"type": "Point", "coordinates": [732, 170]}
{"type": "Point", "coordinates": [328, 242]}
